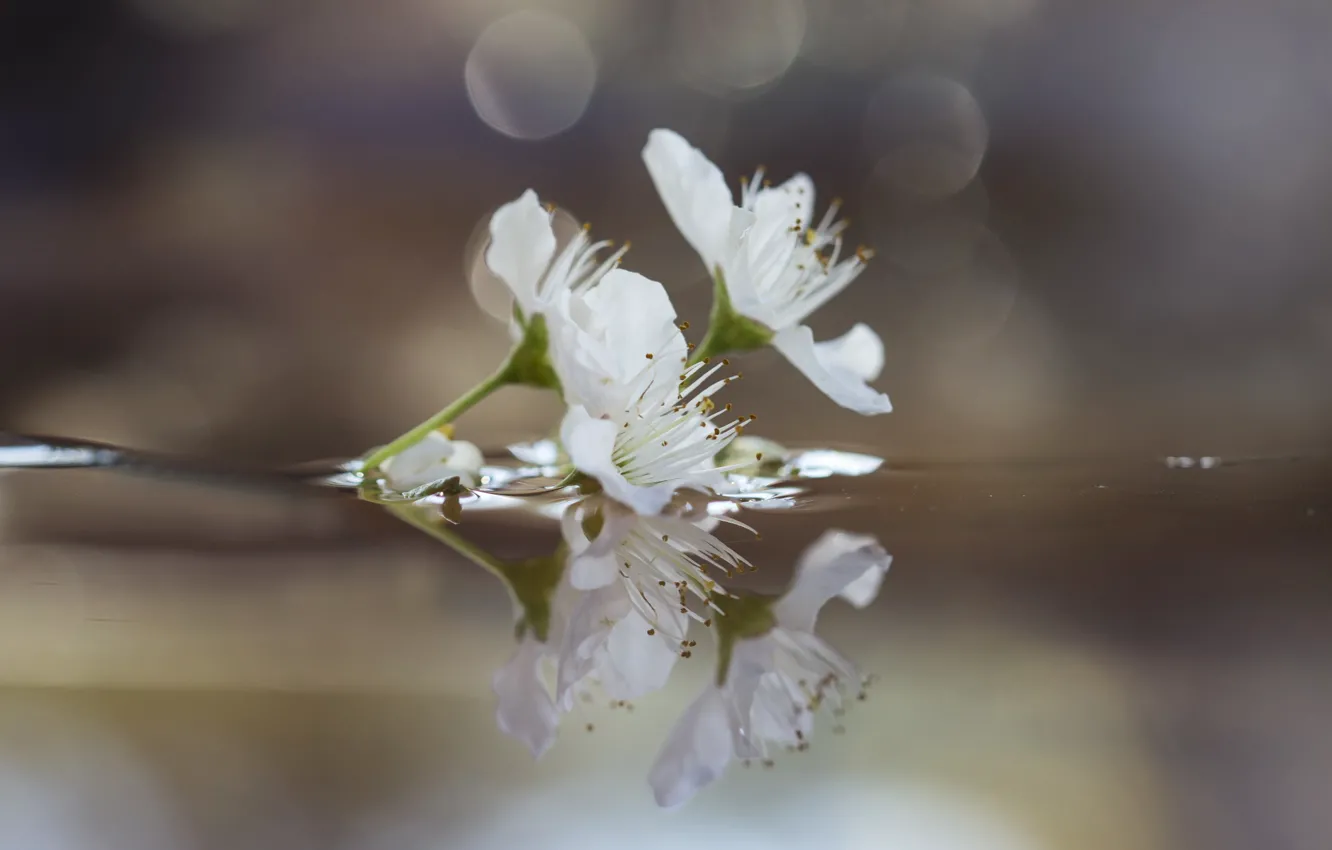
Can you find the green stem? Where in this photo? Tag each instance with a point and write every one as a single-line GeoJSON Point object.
{"type": "Point", "coordinates": [464, 403]}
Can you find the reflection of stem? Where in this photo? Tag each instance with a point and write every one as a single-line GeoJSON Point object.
{"type": "Point", "coordinates": [531, 583]}
{"type": "Point", "coordinates": [413, 515]}
{"type": "Point", "coordinates": [464, 403]}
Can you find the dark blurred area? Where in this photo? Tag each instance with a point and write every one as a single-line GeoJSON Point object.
{"type": "Point", "coordinates": [251, 230]}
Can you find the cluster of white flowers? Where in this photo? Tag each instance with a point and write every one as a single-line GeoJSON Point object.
{"type": "Point", "coordinates": [642, 435]}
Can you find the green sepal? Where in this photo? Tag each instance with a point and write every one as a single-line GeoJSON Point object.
{"type": "Point", "coordinates": [728, 330]}
{"type": "Point", "coordinates": [529, 362]}
{"type": "Point", "coordinates": [739, 618]}
{"type": "Point", "coordinates": [533, 583]}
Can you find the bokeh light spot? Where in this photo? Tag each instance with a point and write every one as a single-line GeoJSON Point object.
{"type": "Point", "coordinates": [530, 75]}
{"type": "Point", "coordinates": [927, 133]}
{"type": "Point", "coordinates": [727, 46]}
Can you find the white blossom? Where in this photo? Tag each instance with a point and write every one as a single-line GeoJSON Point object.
{"type": "Point", "coordinates": [522, 254]}
{"type": "Point", "coordinates": [640, 421]}
{"type": "Point", "coordinates": [774, 265]}
{"type": "Point", "coordinates": [435, 458]}
{"type": "Point", "coordinates": [771, 684]}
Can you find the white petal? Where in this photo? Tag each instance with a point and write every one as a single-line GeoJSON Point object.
{"type": "Point", "coordinates": [590, 444]}
{"type": "Point", "coordinates": [693, 191]}
{"type": "Point", "coordinates": [865, 589]}
{"type": "Point", "coordinates": [739, 272]}
{"type": "Point", "coordinates": [858, 351]}
{"type": "Point", "coordinates": [585, 634]}
{"type": "Point", "coordinates": [466, 457]}
{"type": "Point", "coordinates": [696, 751]}
{"type": "Point", "coordinates": [537, 452]}
{"type": "Point", "coordinates": [637, 662]}
{"type": "Point", "coordinates": [639, 316]}
{"type": "Point", "coordinates": [591, 562]}
{"type": "Point", "coordinates": [838, 367]}
{"type": "Point", "coordinates": [776, 715]}
{"type": "Point", "coordinates": [526, 711]}
{"type": "Point", "coordinates": [590, 571]}
{"type": "Point", "coordinates": [837, 563]}
{"type": "Point", "coordinates": [750, 661]}
{"type": "Point", "coordinates": [522, 243]}
{"type": "Point", "coordinates": [434, 458]}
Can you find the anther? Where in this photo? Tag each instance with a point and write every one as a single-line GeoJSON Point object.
{"type": "Point", "coordinates": [652, 631]}
{"type": "Point", "coordinates": [590, 727]}
{"type": "Point", "coordinates": [649, 357]}
{"type": "Point", "coordinates": [758, 456]}
{"type": "Point", "coordinates": [684, 326]}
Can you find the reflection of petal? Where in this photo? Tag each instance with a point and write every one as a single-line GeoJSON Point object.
{"type": "Point", "coordinates": [522, 243]}
{"type": "Point", "coordinates": [837, 562]}
{"type": "Point", "coordinates": [525, 711]}
{"type": "Point", "coordinates": [839, 367]}
{"type": "Point", "coordinates": [696, 751]}
{"type": "Point", "coordinates": [639, 661]}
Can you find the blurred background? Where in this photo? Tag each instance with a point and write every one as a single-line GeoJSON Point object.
{"type": "Point", "coordinates": [252, 230]}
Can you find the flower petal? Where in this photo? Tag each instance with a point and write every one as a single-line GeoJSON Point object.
{"type": "Point", "coordinates": [696, 751]}
{"type": "Point", "coordinates": [694, 193]}
{"type": "Point", "coordinates": [433, 458]}
{"type": "Point", "coordinates": [637, 662]}
{"type": "Point", "coordinates": [617, 346]}
{"type": "Point", "coordinates": [591, 444]}
{"type": "Point", "coordinates": [585, 635]}
{"type": "Point", "coordinates": [839, 367]}
{"type": "Point", "coordinates": [522, 243]}
{"type": "Point", "coordinates": [592, 562]}
{"type": "Point", "coordinates": [526, 711]}
{"type": "Point", "coordinates": [838, 563]}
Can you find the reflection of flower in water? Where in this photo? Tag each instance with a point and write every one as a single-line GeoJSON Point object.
{"type": "Point", "coordinates": [618, 616]}
{"type": "Point", "coordinates": [773, 674]}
